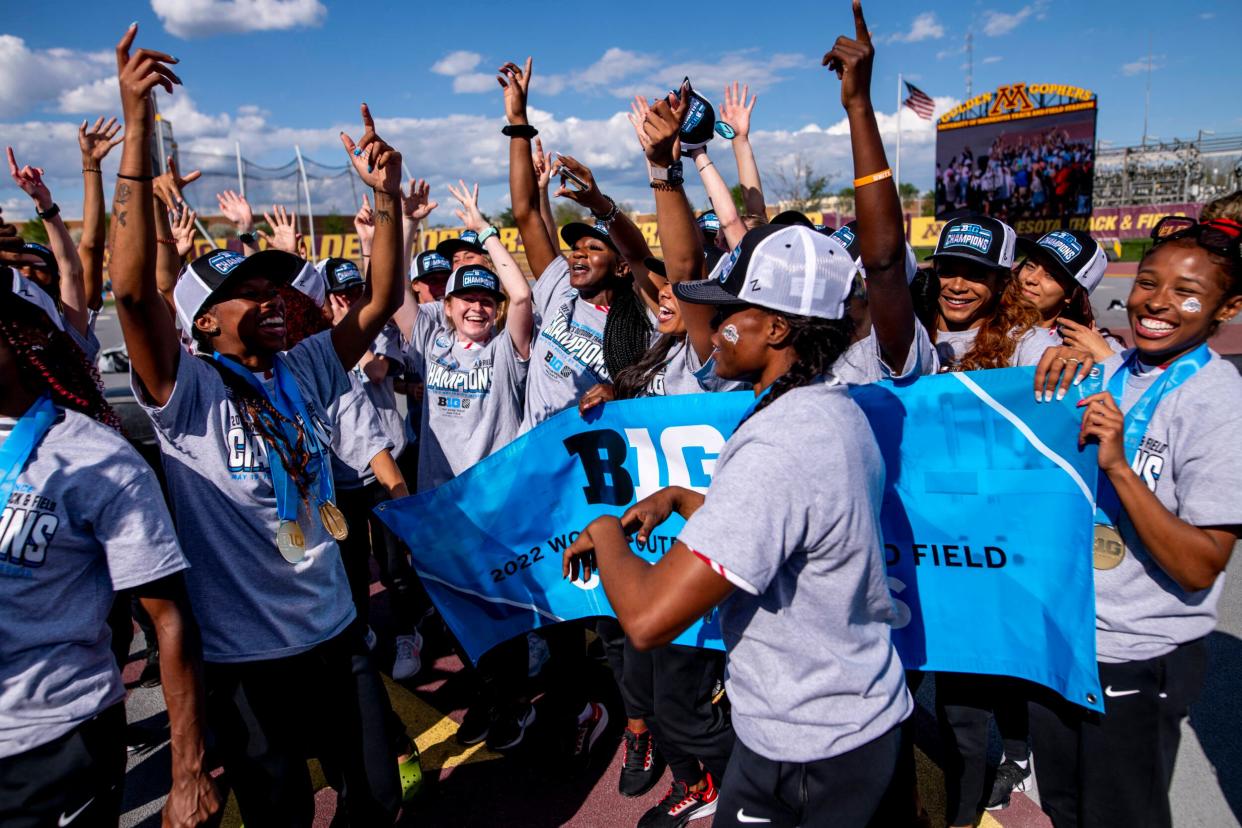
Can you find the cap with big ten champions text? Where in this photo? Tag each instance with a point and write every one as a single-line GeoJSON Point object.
{"type": "Point", "coordinates": [429, 263]}
{"type": "Point", "coordinates": [14, 286]}
{"type": "Point", "coordinates": [790, 269]}
{"type": "Point", "coordinates": [474, 277]}
{"type": "Point", "coordinates": [980, 239]}
{"type": "Point", "coordinates": [341, 275]}
{"type": "Point", "coordinates": [1071, 253]}
{"type": "Point", "coordinates": [578, 229]}
{"type": "Point", "coordinates": [205, 280]}
{"type": "Point", "coordinates": [709, 223]}
{"type": "Point", "coordinates": [468, 240]}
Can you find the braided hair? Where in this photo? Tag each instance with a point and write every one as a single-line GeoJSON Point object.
{"type": "Point", "coordinates": [818, 344]}
{"type": "Point", "coordinates": [73, 382]}
{"type": "Point", "coordinates": [627, 332]}
{"type": "Point", "coordinates": [632, 381]}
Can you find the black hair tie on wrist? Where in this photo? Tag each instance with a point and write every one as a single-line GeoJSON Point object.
{"type": "Point", "coordinates": [519, 131]}
{"type": "Point", "coordinates": [135, 177]}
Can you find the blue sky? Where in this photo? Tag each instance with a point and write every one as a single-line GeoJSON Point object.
{"type": "Point", "coordinates": [293, 71]}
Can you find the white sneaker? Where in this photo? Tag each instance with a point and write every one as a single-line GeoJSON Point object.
{"type": "Point", "coordinates": [409, 662]}
{"type": "Point", "coordinates": [370, 638]}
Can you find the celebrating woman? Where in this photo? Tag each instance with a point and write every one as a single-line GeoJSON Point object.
{"type": "Point", "coordinates": [1166, 425]}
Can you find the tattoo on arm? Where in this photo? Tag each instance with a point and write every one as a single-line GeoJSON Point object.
{"type": "Point", "coordinates": [382, 217]}
{"type": "Point", "coordinates": [120, 216]}
{"type": "Point", "coordinates": [122, 193]}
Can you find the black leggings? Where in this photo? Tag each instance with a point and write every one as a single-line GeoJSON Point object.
{"type": "Point", "coordinates": [965, 703]}
{"type": "Point", "coordinates": [1115, 769]}
{"type": "Point", "coordinates": [369, 536]}
{"type": "Point", "coordinates": [678, 692]}
{"type": "Point", "coordinates": [268, 717]}
{"type": "Point", "coordinates": [843, 791]}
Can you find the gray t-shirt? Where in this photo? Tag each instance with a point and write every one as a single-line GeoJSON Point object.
{"type": "Point", "coordinates": [862, 363]}
{"type": "Point", "coordinates": [472, 399]}
{"type": "Point", "coordinates": [792, 519]}
{"type": "Point", "coordinates": [951, 346]}
{"type": "Point", "coordinates": [1191, 458]}
{"type": "Point", "coordinates": [567, 354]}
{"type": "Point", "coordinates": [85, 518]}
{"type": "Point", "coordinates": [250, 603]}
{"type": "Point", "coordinates": [357, 432]}
{"type": "Point", "coordinates": [684, 373]}
{"type": "Point", "coordinates": [88, 343]}
{"type": "Point", "coordinates": [382, 394]}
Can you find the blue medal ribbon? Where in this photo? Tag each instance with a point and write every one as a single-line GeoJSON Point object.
{"type": "Point", "coordinates": [1108, 505]}
{"type": "Point", "coordinates": [750, 409]}
{"type": "Point", "coordinates": [288, 401]}
{"type": "Point", "coordinates": [21, 442]}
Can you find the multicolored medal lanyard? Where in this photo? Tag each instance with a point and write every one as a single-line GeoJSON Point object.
{"type": "Point", "coordinates": [288, 401]}
{"type": "Point", "coordinates": [1109, 547]}
{"type": "Point", "coordinates": [21, 443]}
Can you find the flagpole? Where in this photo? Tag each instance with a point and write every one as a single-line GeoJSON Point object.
{"type": "Point", "coordinates": [897, 166]}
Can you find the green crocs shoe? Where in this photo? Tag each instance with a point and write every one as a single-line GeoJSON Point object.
{"type": "Point", "coordinates": [411, 776]}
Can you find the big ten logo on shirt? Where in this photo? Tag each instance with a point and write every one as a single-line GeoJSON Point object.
{"type": "Point", "coordinates": [623, 468]}
{"type": "Point", "coordinates": [27, 526]}
{"type": "Point", "coordinates": [453, 390]}
{"type": "Point", "coordinates": [1149, 461]}
{"type": "Point", "coordinates": [573, 344]}
{"type": "Point", "coordinates": [655, 388]}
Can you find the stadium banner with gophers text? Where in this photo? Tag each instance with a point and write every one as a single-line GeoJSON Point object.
{"type": "Point", "coordinates": [987, 521]}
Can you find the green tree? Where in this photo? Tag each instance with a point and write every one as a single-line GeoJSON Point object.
{"type": "Point", "coordinates": [907, 191]}
{"type": "Point", "coordinates": [505, 218]}
{"type": "Point", "coordinates": [34, 231]}
{"type": "Point", "coordinates": [739, 199]}
{"type": "Point", "coordinates": [335, 223]}
{"type": "Point", "coordinates": [563, 213]}
{"type": "Point", "coordinates": [800, 186]}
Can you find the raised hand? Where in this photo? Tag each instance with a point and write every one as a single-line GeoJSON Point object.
{"type": "Point", "coordinates": [543, 165]}
{"type": "Point", "coordinates": [851, 59]}
{"type": "Point", "coordinates": [735, 111]}
{"type": "Point", "coordinates": [168, 185]}
{"type": "Point", "coordinates": [235, 208]}
{"type": "Point", "coordinates": [285, 235]}
{"type": "Point", "coordinates": [183, 229]}
{"type": "Point", "coordinates": [638, 114]}
{"type": "Point", "coordinates": [515, 81]}
{"type": "Point", "coordinates": [364, 225]}
{"type": "Point", "coordinates": [469, 214]}
{"type": "Point", "coordinates": [377, 163]}
{"type": "Point", "coordinates": [417, 205]}
{"type": "Point", "coordinates": [662, 126]}
{"type": "Point", "coordinates": [98, 140]}
{"type": "Point", "coordinates": [30, 179]}
{"type": "Point", "coordinates": [140, 73]}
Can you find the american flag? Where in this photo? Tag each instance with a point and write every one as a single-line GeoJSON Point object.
{"type": "Point", "coordinates": [919, 101]}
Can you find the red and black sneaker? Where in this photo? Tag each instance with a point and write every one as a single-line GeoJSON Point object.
{"type": "Point", "coordinates": [681, 805]}
{"type": "Point", "coordinates": [642, 766]}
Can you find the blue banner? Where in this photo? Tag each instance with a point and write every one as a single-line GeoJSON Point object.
{"type": "Point", "coordinates": [987, 521]}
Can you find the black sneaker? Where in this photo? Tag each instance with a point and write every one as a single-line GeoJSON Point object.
{"type": "Point", "coordinates": [680, 805]}
{"type": "Point", "coordinates": [642, 766]}
{"type": "Point", "coordinates": [1010, 777]}
{"type": "Point", "coordinates": [475, 724]}
{"type": "Point", "coordinates": [509, 726]}
{"type": "Point", "coordinates": [151, 670]}
{"type": "Point", "coordinates": [590, 731]}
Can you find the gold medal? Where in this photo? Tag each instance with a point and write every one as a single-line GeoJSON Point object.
{"type": "Point", "coordinates": [333, 520]}
{"type": "Point", "coordinates": [291, 542]}
{"type": "Point", "coordinates": [1109, 548]}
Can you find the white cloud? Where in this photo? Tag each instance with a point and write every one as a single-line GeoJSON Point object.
{"type": "Point", "coordinates": [1139, 67]}
{"type": "Point", "coordinates": [760, 71]}
{"type": "Point", "coordinates": [34, 78]}
{"type": "Point", "coordinates": [925, 26]}
{"type": "Point", "coordinates": [203, 18]}
{"type": "Point", "coordinates": [992, 59]}
{"type": "Point", "coordinates": [475, 82]}
{"type": "Point", "coordinates": [457, 63]}
{"type": "Point", "coordinates": [96, 97]}
{"type": "Point", "coordinates": [1207, 15]}
{"type": "Point", "coordinates": [1001, 23]}
{"type": "Point", "coordinates": [945, 53]}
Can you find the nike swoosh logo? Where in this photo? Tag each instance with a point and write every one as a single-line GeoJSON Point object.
{"type": "Point", "coordinates": [1112, 694]}
{"type": "Point", "coordinates": [742, 817]}
{"type": "Point", "coordinates": [65, 819]}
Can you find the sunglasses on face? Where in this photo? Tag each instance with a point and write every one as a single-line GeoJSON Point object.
{"type": "Point", "coordinates": [1220, 236]}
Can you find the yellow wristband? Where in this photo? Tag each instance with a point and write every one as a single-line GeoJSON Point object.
{"type": "Point", "coordinates": [873, 178]}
